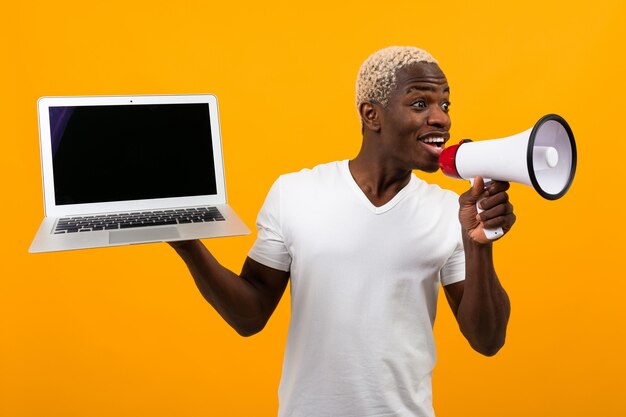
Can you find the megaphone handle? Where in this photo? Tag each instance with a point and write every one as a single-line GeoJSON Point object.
{"type": "Point", "coordinates": [492, 234]}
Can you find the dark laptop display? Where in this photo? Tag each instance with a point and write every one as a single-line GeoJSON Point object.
{"type": "Point", "coordinates": [109, 153]}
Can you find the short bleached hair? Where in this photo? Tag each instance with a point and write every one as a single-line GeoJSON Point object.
{"type": "Point", "coordinates": [377, 76]}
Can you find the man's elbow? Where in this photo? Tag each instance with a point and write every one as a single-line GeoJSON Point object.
{"type": "Point", "coordinates": [247, 331]}
{"type": "Point", "coordinates": [249, 328]}
{"type": "Point", "coordinates": [489, 348]}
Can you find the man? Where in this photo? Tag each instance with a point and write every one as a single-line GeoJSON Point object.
{"type": "Point", "coordinates": [366, 244]}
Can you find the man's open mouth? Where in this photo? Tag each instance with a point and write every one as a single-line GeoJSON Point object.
{"type": "Point", "coordinates": [434, 141]}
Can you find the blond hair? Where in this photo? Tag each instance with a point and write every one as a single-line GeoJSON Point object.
{"type": "Point", "coordinates": [377, 76]}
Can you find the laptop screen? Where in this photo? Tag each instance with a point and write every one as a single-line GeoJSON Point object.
{"type": "Point", "coordinates": [110, 153]}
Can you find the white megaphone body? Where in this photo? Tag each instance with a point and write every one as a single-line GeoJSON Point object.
{"type": "Point", "coordinates": [543, 157]}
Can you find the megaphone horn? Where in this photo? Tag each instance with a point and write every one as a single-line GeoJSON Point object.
{"type": "Point", "coordinates": [543, 157]}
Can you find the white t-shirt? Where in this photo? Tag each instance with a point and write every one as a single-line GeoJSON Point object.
{"type": "Point", "coordinates": [364, 285]}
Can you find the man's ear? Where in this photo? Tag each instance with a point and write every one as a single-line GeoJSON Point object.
{"type": "Point", "coordinates": [370, 116]}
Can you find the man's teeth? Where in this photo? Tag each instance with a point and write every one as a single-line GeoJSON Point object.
{"type": "Point", "coordinates": [434, 140]}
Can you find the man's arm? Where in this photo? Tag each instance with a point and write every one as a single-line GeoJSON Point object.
{"type": "Point", "coordinates": [246, 301]}
{"type": "Point", "coordinates": [480, 304]}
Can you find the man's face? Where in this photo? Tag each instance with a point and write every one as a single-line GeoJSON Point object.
{"type": "Point", "coordinates": [415, 124]}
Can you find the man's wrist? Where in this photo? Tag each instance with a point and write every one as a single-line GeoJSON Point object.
{"type": "Point", "coordinates": [184, 246]}
{"type": "Point", "coordinates": [471, 244]}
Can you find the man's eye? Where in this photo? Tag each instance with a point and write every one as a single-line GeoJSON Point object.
{"type": "Point", "coordinates": [445, 106]}
{"type": "Point", "coordinates": [420, 104]}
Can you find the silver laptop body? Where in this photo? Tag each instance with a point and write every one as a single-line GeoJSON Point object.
{"type": "Point", "coordinates": [120, 170]}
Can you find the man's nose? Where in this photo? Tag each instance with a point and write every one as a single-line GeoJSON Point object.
{"type": "Point", "coordinates": [438, 117]}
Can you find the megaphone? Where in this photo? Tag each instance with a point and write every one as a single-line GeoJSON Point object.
{"type": "Point", "coordinates": [543, 157]}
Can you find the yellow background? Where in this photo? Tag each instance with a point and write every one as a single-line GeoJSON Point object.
{"type": "Point", "coordinates": [123, 331]}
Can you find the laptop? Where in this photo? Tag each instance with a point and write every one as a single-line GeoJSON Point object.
{"type": "Point", "coordinates": [121, 170]}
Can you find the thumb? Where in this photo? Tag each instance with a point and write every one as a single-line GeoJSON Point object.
{"type": "Point", "coordinates": [478, 187]}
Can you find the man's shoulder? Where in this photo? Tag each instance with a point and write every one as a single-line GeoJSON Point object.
{"type": "Point", "coordinates": [435, 192]}
{"type": "Point", "coordinates": [329, 171]}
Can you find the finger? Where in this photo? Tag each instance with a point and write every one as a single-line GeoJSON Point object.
{"type": "Point", "coordinates": [505, 222]}
{"type": "Point", "coordinates": [510, 221]}
{"type": "Point", "coordinates": [478, 187]}
{"type": "Point", "coordinates": [493, 200]}
{"type": "Point", "coordinates": [497, 211]}
{"type": "Point", "coordinates": [495, 187]}
{"type": "Point", "coordinates": [475, 193]}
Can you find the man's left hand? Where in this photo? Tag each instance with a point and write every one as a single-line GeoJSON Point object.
{"type": "Point", "coordinates": [498, 211]}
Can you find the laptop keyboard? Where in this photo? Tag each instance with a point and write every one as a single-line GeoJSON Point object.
{"type": "Point", "coordinates": [137, 219]}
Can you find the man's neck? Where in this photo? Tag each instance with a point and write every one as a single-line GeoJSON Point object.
{"type": "Point", "coordinates": [379, 180]}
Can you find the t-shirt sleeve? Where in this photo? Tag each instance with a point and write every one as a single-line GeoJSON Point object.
{"type": "Point", "coordinates": [269, 248]}
{"type": "Point", "coordinates": [454, 269]}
